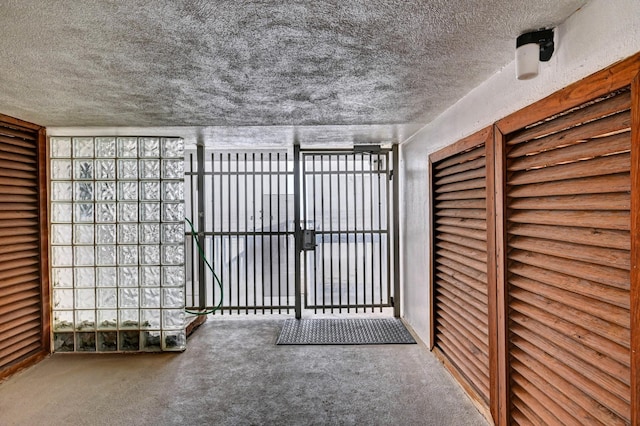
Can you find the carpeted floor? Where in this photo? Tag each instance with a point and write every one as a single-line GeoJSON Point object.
{"type": "Point", "coordinates": [233, 374]}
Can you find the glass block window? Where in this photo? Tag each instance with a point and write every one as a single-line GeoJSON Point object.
{"type": "Point", "coordinates": [117, 244]}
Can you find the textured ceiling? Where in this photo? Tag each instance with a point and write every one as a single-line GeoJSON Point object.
{"type": "Point", "coordinates": [254, 63]}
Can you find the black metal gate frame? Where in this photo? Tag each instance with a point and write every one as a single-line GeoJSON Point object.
{"type": "Point", "coordinates": [197, 180]}
{"type": "Point", "coordinates": [393, 247]}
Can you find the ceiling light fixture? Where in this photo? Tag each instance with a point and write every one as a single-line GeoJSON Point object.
{"type": "Point", "coordinates": [531, 48]}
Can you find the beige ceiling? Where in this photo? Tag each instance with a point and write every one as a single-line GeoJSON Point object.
{"type": "Point", "coordinates": [387, 64]}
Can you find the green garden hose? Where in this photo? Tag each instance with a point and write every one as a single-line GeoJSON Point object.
{"type": "Point", "coordinates": [194, 235]}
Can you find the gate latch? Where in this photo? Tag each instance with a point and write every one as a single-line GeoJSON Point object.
{"type": "Point", "coordinates": [308, 239]}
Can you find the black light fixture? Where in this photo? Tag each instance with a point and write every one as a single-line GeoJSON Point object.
{"type": "Point", "coordinates": [531, 48]}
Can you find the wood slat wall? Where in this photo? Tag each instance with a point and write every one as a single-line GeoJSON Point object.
{"type": "Point", "coordinates": [459, 285]}
{"type": "Point", "coordinates": [23, 285]}
{"type": "Point", "coordinates": [568, 265]}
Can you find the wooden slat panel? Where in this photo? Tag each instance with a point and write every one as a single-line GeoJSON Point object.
{"type": "Point", "coordinates": [615, 123]}
{"type": "Point", "coordinates": [588, 410]}
{"type": "Point", "coordinates": [463, 213]}
{"type": "Point", "coordinates": [460, 158]}
{"type": "Point", "coordinates": [587, 380]}
{"type": "Point", "coordinates": [459, 271]}
{"type": "Point", "coordinates": [26, 152]}
{"type": "Point", "coordinates": [569, 411]}
{"type": "Point", "coordinates": [591, 149]}
{"type": "Point", "coordinates": [447, 302]}
{"type": "Point", "coordinates": [593, 167]}
{"type": "Point", "coordinates": [21, 297]}
{"type": "Point", "coordinates": [13, 132]}
{"type": "Point", "coordinates": [473, 254]}
{"type": "Point", "coordinates": [460, 275]}
{"type": "Point", "coordinates": [469, 165]}
{"type": "Point", "coordinates": [616, 220]}
{"type": "Point", "coordinates": [544, 300]}
{"type": "Point", "coordinates": [572, 144]}
{"type": "Point", "coordinates": [587, 236]}
{"type": "Point", "coordinates": [612, 201]}
{"type": "Point", "coordinates": [592, 185]}
{"type": "Point", "coordinates": [462, 204]}
{"type": "Point", "coordinates": [461, 177]}
{"type": "Point", "coordinates": [462, 223]}
{"type": "Point", "coordinates": [577, 285]}
{"type": "Point", "coordinates": [462, 195]}
{"type": "Point", "coordinates": [605, 311]}
{"type": "Point", "coordinates": [597, 110]}
{"type": "Point", "coordinates": [474, 332]}
{"type": "Point", "coordinates": [471, 234]}
{"type": "Point", "coordinates": [569, 265]}
{"type": "Point", "coordinates": [592, 347]}
{"type": "Point", "coordinates": [595, 255]}
{"type": "Point", "coordinates": [466, 242]}
{"type": "Point", "coordinates": [613, 277]}
{"type": "Point", "coordinates": [461, 186]}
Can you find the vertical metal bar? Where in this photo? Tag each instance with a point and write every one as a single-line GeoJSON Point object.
{"type": "Point", "coordinates": [380, 255]}
{"type": "Point", "coordinates": [298, 231]}
{"type": "Point", "coordinates": [228, 237]}
{"type": "Point", "coordinates": [202, 295]}
{"type": "Point", "coordinates": [314, 193]}
{"type": "Point", "coordinates": [304, 200]}
{"type": "Point", "coordinates": [324, 236]}
{"type": "Point", "coordinates": [355, 229]}
{"type": "Point", "coordinates": [246, 236]}
{"type": "Point", "coordinates": [221, 239]}
{"type": "Point", "coordinates": [262, 226]}
{"type": "Point", "coordinates": [255, 285]}
{"type": "Point", "coordinates": [347, 230]}
{"type": "Point", "coordinates": [286, 226]}
{"type": "Point", "coordinates": [213, 223]}
{"type": "Point", "coordinates": [270, 237]}
{"type": "Point", "coordinates": [364, 239]}
{"type": "Point", "coordinates": [279, 237]}
{"type": "Point", "coordinates": [371, 232]}
{"type": "Point", "coordinates": [237, 237]}
{"type": "Point", "coordinates": [338, 179]}
{"type": "Point", "coordinates": [330, 231]}
{"type": "Point", "coordinates": [396, 232]}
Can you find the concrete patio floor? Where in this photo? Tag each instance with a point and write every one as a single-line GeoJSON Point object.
{"type": "Point", "coordinates": [233, 374]}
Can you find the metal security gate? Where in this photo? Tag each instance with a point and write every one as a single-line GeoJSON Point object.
{"type": "Point", "coordinates": [247, 209]}
{"type": "Point", "coordinates": [346, 231]}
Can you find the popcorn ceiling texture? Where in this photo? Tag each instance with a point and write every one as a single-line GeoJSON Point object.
{"type": "Point", "coordinates": [254, 63]}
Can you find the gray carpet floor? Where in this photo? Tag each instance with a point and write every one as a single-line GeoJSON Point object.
{"type": "Point", "coordinates": [233, 374]}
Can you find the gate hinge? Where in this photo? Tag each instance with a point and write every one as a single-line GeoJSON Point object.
{"type": "Point", "coordinates": [390, 174]}
{"type": "Point", "coordinates": [392, 301]}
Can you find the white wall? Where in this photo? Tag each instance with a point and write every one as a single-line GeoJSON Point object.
{"type": "Point", "coordinates": [601, 33]}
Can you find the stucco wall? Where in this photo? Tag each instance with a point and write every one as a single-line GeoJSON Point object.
{"type": "Point", "coordinates": [601, 33]}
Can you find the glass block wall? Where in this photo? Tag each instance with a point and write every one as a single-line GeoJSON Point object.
{"type": "Point", "coordinates": [117, 244]}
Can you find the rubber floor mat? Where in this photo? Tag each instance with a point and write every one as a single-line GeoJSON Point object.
{"type": "Point", "coordinates": [366, 331]}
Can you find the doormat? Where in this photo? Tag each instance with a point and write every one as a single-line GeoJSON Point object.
{"type": "Point", "coordinates": [365, 331]}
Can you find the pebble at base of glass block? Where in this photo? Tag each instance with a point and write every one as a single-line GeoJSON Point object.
{"type": "Point", "coordinates": [174, 340]}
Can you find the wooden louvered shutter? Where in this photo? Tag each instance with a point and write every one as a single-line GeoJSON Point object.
{"type": "Point", "coordinates": [568, 257]}
{"type": "Point", "coordinates": [460, 291]}
{"type": "Point", "coordinates": [23, 284]}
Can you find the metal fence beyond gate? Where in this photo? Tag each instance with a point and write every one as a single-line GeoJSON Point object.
{"type": "Point", "coordinates": [244, 217]}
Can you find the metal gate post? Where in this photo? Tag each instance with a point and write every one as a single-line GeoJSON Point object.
{"type": "Point", "coordinates": [396, 232]}
{"type": "Point", "coordinates": [297, 228]}
{"type": "Point", "coordinates": [202, 295]}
